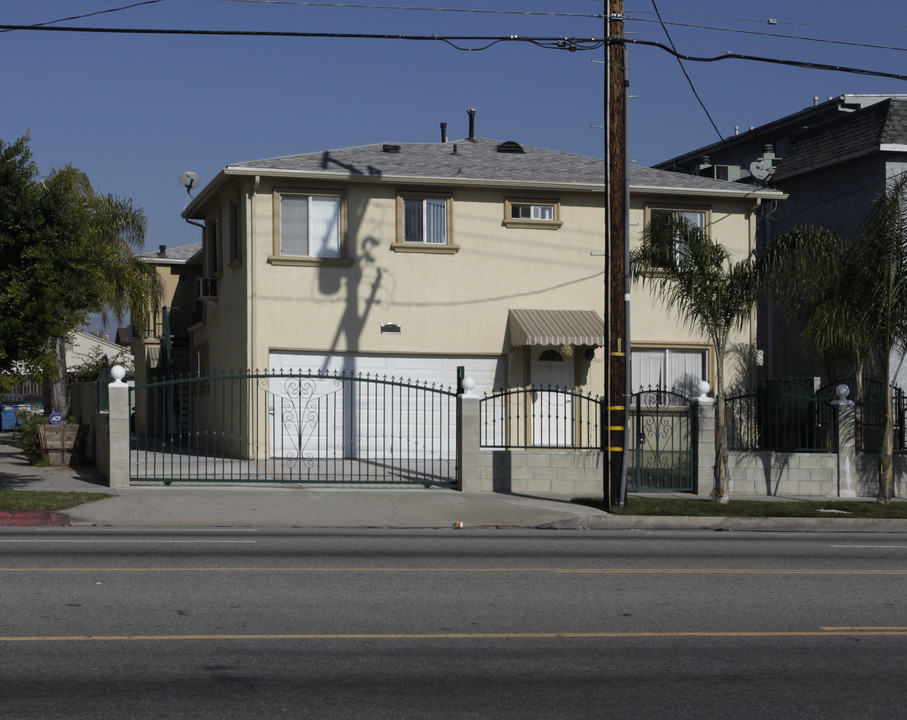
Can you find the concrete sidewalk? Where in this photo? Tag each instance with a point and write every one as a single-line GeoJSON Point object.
{"type": "Point", "coordinates": [291, 507]}
{"type": "Point", "coordinates": [249, 506]}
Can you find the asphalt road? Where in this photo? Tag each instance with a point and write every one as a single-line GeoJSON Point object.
{"type": "Point", "coordinates": [416, 624]}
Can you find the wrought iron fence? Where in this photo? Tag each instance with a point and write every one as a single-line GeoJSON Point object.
{"type": "Point", "coordinates": [781, 415]}
{"type": "Point", "coordinates": [540, 417]}
{"type": "Point", "coordinates": [294, 427]}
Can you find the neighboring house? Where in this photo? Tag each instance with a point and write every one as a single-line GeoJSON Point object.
{"type": "Point", "coordinates": [163, 348]}
{"type": "Point", "coordinates": [413, 259]}
{"type": "Point", "coordinates": [84, 346]}
{"type": "Point", "coordinates": [831, 160]}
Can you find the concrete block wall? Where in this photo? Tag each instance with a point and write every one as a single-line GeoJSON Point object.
{"type": "Point", "coordinates": [552, 472]}
{"type": "Point", "coordinates": [774, 473]}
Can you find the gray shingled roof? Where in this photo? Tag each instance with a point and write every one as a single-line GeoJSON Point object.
{"type": "Point", "coordinates": [847, 136]}
{"type": "Point", "coordinates": [477, 160]}
{"type": "Point", "coordinates": [181, 253]}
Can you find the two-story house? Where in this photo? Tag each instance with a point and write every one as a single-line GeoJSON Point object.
{"type": "Point", "coordinates": [413, 259]}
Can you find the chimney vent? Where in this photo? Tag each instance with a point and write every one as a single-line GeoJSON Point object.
{"type": "Point", "coordinates": [472, 123]}
{"type": "Point", "coordinates": [390, 148]}
{"type": "Point", "coordinates": [443, 132]}
{"type": "Point", "coordinates": [162, 251]}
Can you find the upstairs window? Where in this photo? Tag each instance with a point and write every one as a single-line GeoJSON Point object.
{"type": "Point", "coordinates": [671, 246]}
{"type": "Point", "coordinates": [214, 258]}
{"type": "Point", "coordinates": [532, 213]}
{"type": "Point", "coordinates": [235, 233]}
{"type": "Point", "coordinates": [310, 226]}
{"type": "Point", "coordinates": [424, 223]}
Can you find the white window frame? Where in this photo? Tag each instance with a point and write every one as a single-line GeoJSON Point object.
{"type": "Point", "coordinates": [537, 210]}
{"type": "Point", "coordinates": [669, 375]}
{"type": "Point", "coordinates": [338, 255]}
{"type": "Point", "coordinates": [702, 219]}
{"type": "Point", "coordinates": [405, 242]}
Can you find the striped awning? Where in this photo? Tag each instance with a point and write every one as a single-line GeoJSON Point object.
{"type": "Point", "coordinates": [556, 327]}
{"type": "Point", "coordinates": [153, 356]}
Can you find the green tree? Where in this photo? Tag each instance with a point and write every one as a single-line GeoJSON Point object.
{"type": "Point", "coordinates": [66, 251]}
{"type": "Point", "coordinates": [851, 298]}
{"type": "Point", "coordinates": [714, 295]}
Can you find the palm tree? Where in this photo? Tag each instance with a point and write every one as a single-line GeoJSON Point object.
{"type": "Point", "coordinates": [95, 260]}
{"type": "Point", "coordinates": [714, 295]}
{"type": "Point", "coordinates": [851, 297]}
{"type": "Point", "coordinates": [66, 251]}
{"type": "Point", "coordinates": [810, 274]}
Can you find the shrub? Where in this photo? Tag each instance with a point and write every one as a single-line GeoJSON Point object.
{"type": "Point", "coordinates": [31, 442]}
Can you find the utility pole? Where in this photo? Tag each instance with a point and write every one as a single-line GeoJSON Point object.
{"type": "Point", "coordinates": [617, 296]}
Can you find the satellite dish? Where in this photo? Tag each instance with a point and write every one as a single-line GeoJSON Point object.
{"type": "Point", "coordinates": [760, 170]}
{"type": "Point", "coordinates": [189, 180]}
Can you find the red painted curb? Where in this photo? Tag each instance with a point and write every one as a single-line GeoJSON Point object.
{"type": "Point", "coordinates": [33, 518]}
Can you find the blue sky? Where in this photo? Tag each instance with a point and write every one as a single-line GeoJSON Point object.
{"type": "Point", "coordinates": [132, 111]}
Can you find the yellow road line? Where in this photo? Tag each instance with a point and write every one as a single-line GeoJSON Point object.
{"type": "Point", "coordinates": [591, 571]}
{"type": "Point", "coordinates": [837, 632]}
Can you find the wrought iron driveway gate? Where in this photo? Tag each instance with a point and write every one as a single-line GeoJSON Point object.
{"type": "Point", "coordinates": [293, 428]}
{"type": "Point", "coordinates": [661, 439]}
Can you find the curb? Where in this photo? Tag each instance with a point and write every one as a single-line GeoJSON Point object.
{"type": "Point", "coordinates": [768, 524]}
{"type": "Point", "coordinates": [37, 517]}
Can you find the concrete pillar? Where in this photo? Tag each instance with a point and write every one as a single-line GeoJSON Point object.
{"type": "Point", "coordinates": [705, 408]}
{"type": "Point", "coordinates": [847, 443]}
{"type": "Point", "coordinates": [468, 439]}
{"type": "Point", "coordinates": [119, 429]}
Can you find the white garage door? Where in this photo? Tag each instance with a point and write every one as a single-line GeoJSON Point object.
{"type": "Point", "coordinates": [330, 419]}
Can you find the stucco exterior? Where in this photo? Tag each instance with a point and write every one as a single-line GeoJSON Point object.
{"type": "Point", "coordinates": [451, 300]}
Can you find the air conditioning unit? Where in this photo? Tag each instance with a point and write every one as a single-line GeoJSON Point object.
{"type": "Point", "coordinates": [206, 289]}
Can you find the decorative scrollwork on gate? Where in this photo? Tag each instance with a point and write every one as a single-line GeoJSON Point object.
{"type": "Point", "coordinates": [662, 443]}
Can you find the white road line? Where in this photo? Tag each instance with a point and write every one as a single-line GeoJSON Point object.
{"type": "Point", "coordinates": [122, 542]}
{"type": "Point", "coordinates": [860, 547]}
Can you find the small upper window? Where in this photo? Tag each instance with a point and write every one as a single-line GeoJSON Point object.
{"type": "Point", "coordinates": [424, 224]}
{"type": "Point", "coordinates": [519, 213]}
{"type": "Point", "coordinates": [425, 221]}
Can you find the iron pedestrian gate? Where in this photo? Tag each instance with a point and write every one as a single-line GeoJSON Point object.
{"type": "Point", "coordinates": [662, 454]}
{"type": "Point", "coordinates": [293, 428]}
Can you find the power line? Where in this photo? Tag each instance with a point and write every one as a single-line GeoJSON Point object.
{"type": "Point", "coordinates": [402, 7]}
{"type": "Point", "coordinates": [776, 21]}
{"type": "Point", "coordinates": [547, 43]}
{"type": "Point", "coordinates": [757, 58]}
{"type": "Point", "coordinates": [802, 38]}
{"type": "Point", "coordinates": [687, 75]}
{"type": "Point", "coordinates": [99, 12]}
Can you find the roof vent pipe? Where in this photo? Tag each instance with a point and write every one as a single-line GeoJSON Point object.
{"type": "Point", "coordinates": [443, 132]}
{"type": "Point", "coordinates": [472, 123]}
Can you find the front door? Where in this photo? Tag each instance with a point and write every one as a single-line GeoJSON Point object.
{"type": "Point", "coordinates": [552, 398]}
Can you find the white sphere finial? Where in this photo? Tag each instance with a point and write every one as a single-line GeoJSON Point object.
{"type": "Point", "coordinates": [842, 391]}
{"type": "Point", "coordinates": [703, 387]}
{"type": "Point", "coordinates": [117, 372]}
{"type": "Point", "coordinates": [468, 384]}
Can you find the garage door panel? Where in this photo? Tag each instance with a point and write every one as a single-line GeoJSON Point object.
{"type": "Point", "coordinates": [382, 417]}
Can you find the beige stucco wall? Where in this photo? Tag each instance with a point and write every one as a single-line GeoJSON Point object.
{"type": "Point", "coordinates": [448, 304]}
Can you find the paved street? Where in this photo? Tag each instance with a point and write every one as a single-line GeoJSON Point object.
{"type": "Point", "coordinates": [276, 623]}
